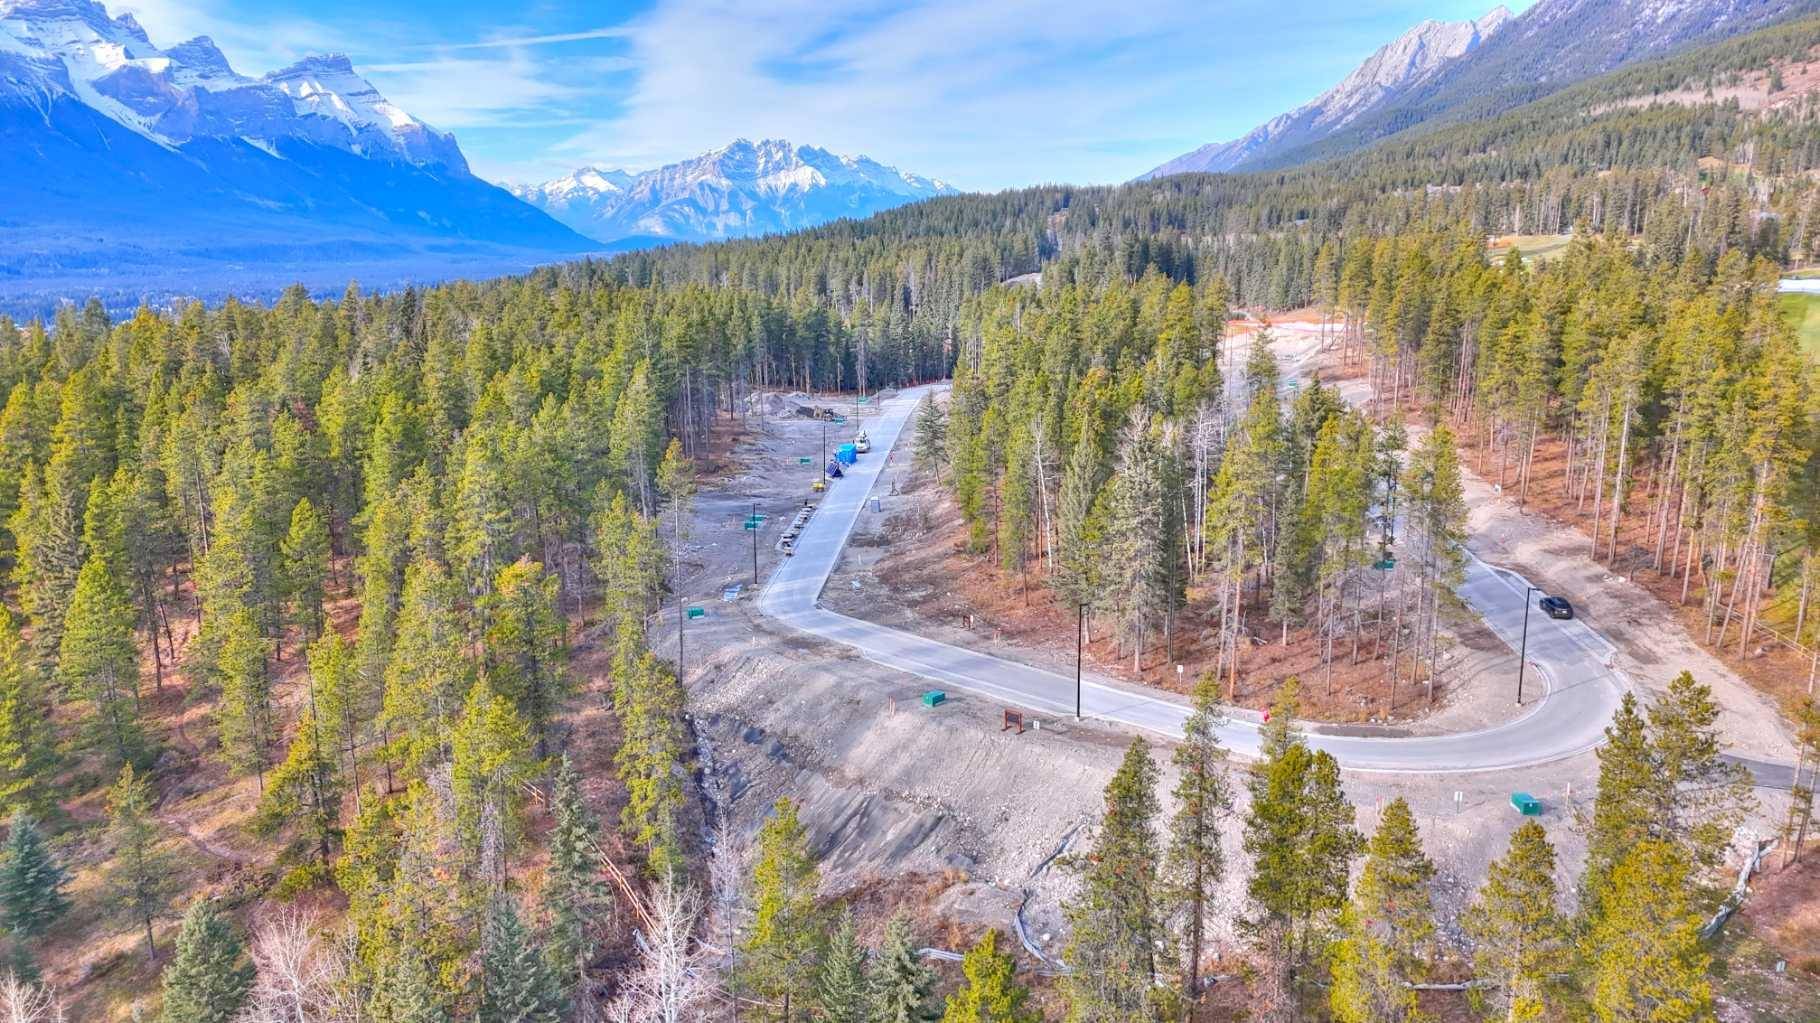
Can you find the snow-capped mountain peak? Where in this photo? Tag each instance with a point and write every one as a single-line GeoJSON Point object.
{"type": "Point", "coordinates": [741, 188]}
{"type": "Point", "coordinates": [1406, 61]}
{"type": "Point", "coordinates": [190, 91]}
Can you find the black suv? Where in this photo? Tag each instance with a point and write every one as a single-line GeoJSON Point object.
{"type": "Point", "coordinates": [1557, 607]}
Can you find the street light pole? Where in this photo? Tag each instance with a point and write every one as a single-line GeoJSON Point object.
{"type": "Point", "coordinates": [755, 543]}
{"type": "Point", "coordinates": [1080, 640]}
{"type": "Point", "coordinates": [1523, 655]}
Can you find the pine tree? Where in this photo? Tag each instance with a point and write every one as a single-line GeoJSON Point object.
{"type": "Point", "coordinates": [31, 881]}
{"type": "Point", "coordinates": [139, 878]}
{"type": "Point", "coordinates": [28, 744]}
{"type": "Point", "coordinates": [991, 993]}
{"type": "Point", "coordinates": [1708, 795]}
{"type": "Point", "coordinates": [305, 566]}
{"type": "Point", "coordinates": [1644, 948]}
{"type": "Point", "coordinates": [425, 677]}
{"type": "Point", "coordinates": [209, 976]}
{"type": "Point", "coordinates": [899, 982]}
{"type": "Point", "coordinates": [840, 986]}
{"type": "Point", "coordinates": [1300, 835]}
{"type": "Point", "coordinates": [1196, 859]}
{"type": "Point", "coordinates": [1113, 918]}
{"type": "Point", "coordinates": [489, 762]}
{"type": "Point", "coordinates": [407, 993]}
{"type": "Point", "coordinates": [1519, 937]}
{"type": "Point", "coordinates": [931, 436]}
{"type": "Point", "coordinates": [574, 897]}
{"type": "Point", "coordinates": [249, 729]}
{"type": "Point", "coordinates": [516, 984]}
{"type": "Point", "coordinates": [1630, 792]}
{"type": "Point", "coordinates": [526, 655]}
{"type": "Point", "coordinates": [305, 790]}
{"type": "Point", "coordinates": [1387, 932]}
{"type": "Point", "coordinates": [779, 953]}
{"type": "Point", "coordinates": [98, 663]}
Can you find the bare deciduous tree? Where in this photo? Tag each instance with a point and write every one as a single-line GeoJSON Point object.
{"type": "Point", "coordinates": [22, 1002]}
{"type": "Point", "coordinates": [673, 981]}
{"type": "Point", "coordinates": [300, 974]}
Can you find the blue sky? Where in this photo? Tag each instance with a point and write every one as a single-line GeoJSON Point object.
{"type": "Point", "coordinates": [985, 94]}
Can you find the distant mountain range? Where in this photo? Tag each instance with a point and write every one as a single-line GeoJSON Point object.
{"type": "Point", "coordinates": [133, 171]}
{"type": "Point", "coordinates": [744, 188]}
{"type": "Point", "coordinates": [1446, 72]}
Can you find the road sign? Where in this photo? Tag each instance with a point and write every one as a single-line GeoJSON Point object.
{"type": "Point", "coordinates": [696, 612]}
{"type": "Point", "coordinates": [805, 460]}
{"type": "Point", "coordinates": [862, 400]}
{"type": "Point", "coordinates": [749, 524]}
{"type": "Point", "coordinates": [1386, 565]}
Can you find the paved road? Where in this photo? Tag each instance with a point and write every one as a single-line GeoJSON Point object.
{"type": "Point", "coordinates": [1571, 691]}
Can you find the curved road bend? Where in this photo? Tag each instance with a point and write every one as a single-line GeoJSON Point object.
{"type": "Point", "coordinates": [1570, 698]}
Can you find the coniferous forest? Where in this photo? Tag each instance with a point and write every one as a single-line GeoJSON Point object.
{"type": "Point", "coordinates": [350, 549]}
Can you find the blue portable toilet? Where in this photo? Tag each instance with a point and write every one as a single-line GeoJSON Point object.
{"type": "Point", "coordinates": [847, 454]}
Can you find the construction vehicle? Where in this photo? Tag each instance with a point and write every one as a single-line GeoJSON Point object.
{"type": "Point", "coordinates": [862, 443]}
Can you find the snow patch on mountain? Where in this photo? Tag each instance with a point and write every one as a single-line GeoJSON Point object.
{"type": "Point", "coordinates": [742, 188]}
{"type": "Point", "coordinates": [1410, 59]}
{"type": "Point", "coordinates": [51, 48]}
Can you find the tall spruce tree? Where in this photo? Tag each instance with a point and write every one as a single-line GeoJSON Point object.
{"type": "Point", "coordinates": [574, 897]}
{"type": "Point", "coordinates": [840, 985]}
{"type": "Point", "coordinates": [1299, 833]}
{"type": "Point", "coordinates": [209, 976]}
{"type": "Point", "coordinates": [1195, 864]}
{"type": "Point", "coordinates": [900, 984]}
{"type": "Point", "coordinates": [99, 664]}
{"type": "Point", "coordinates": [304, 564]}
{"type": "Point", "coordinates": [1387, 932]}
{"type": "Point", "coordinates": [516, 985]}
{"type": "Point", "coordinates": [780, 950]}
{"type": "Point", "coordinates": [140, 876]}
{"type": "Point", "coordinates": [1519, 937]}
{"type": "Point", "coordinates": [1114, 918]}
{"type": "Point", "coordinates": [31, 880]}
{"type": "Point", "coordinates": [28, 743]}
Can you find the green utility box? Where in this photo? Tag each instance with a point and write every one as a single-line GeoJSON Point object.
{"type": "Point", "coordinates": [1526, 804]}
{"type": "Point", "coordinates": [933, 697]}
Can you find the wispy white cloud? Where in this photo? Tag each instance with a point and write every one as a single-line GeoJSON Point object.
{"type": "Point", "coordinates": [608, 32]}
{"type": "Point", "coordinates": [460, 92]}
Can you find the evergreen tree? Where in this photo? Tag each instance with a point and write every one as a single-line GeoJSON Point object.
{"type": "Point", "coordinates": [209, 976]}
{"type": "Point", "coordinates": [1387, 932]}
{"type": "Point", "coordinates": [991, 993]}
{"type": "Point", "coordinates": [1300, 835]}
{"type": "Point", "coordinates": [31, 891]}
{"type": "Point", "coordinates": [98, 663]}
{"type": "Point", "coordinates": [139, 877]}
{"type": "Point", "coordinates": [900, 984]}
{"type": "Point", "coordinates": [245, 715]}
{"type": "Point", "coordinates": [305, 566]}
{"type": "Point", "coordinates": [305, 790]}
{"type": "Point", "coordinates": [426, 677]}
{"type": "Point", "coordinates": [1644, 948]}
{"type": "Point", "coordinates": [1630, 792]}
{"type": "Point", "coordinates": [407, 993]}
{"type": "Point", "coordinates": [1113, 918]}
{"type": "Point", "coordinates": [574, 897]}
{"type": "Point", "coordinates": [489, 762]}
{"type": "Point", "coordinates": [1519, 937]}
{"type": "Point", "coordinates": [526, 653]}
{"type": "Point", "coordinates": [1196, 860]}
{"type": "Point", "coordinates": [931, 436]}
{"type": "Point", "coordinates": [779, 953]}
{"type": "Point", "coordinates": [841, 984]}
{"type": "Point", "coordinates": [28, 745]}
{"type": "Point", "coordinates": [1708, 795]}
{"type": "Point", "coordinates": [516, 983]}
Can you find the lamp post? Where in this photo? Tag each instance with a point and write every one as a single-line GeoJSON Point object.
{"type": "Point", "coordinates": [755, 543]}
{"type": "Point", "coordinates": [1080, 641]}
{"type": "Point", "coordinates": [1523, 654]}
